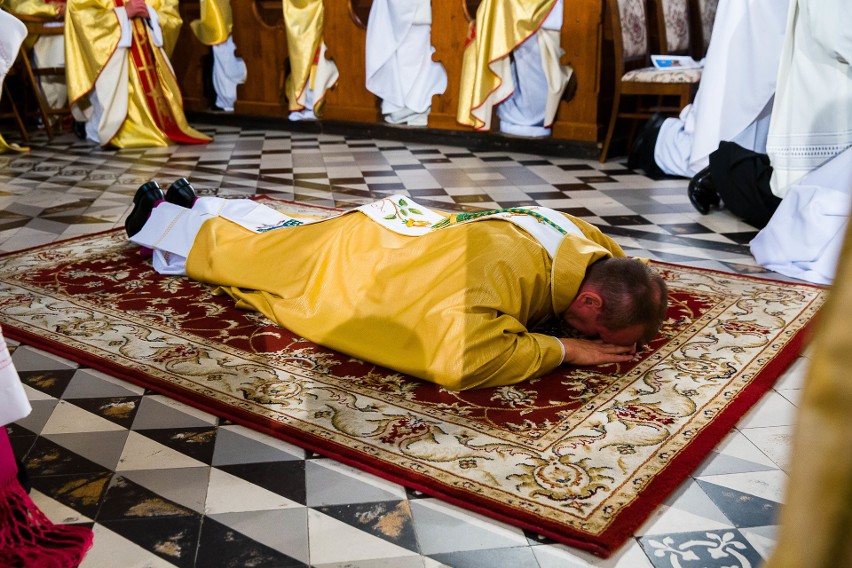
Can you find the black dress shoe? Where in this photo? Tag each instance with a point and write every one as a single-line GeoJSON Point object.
{"type": "Point", "coordinates": [702, 193]}
{"type": "Point", "coordinates": [181, 193]}
{"type": "Point", "coordinates": [79, 129]}
{"type": "Point", "coordinates": [642, 153]}
{"type": "Point", "coordinates": [146, 197]}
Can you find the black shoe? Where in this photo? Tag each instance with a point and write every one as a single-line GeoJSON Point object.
{"type": "Point", "coordinates": [181, 193]}
{"type": "Point", "coordinates": [79, 129]}
{"type": "Point", "coordinates": [702, 193]}
{"type": "Point", "coordinates": [146, 197]}
{"type": "Point", "coordinates": [642, 153]}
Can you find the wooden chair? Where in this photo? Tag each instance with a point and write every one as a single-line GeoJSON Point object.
{"type": "Point", "coordinates": [634, 77]}
{"type": "Point", "coordinates": [702, 15]}
{"type": "Point", "coordinates": [37, 27]}
{"type": "Point", "coordinates": [674, 34]}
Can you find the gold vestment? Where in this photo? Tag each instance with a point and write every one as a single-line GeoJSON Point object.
{"type": "Point", "coordinates": [7, 147]}
{"type": "Point", "coordinates": [452, 307]}
{"type": "Point", "coordinates": [500, 27]}
{"type": "Point", "coordinates": [816, 520]}
{"type": "Point", "coordinates": [32, 8]}
{"type": "Point", "coordinates": [305, 21]}
{"type": "Point", "coordinates": [150, 111]}
{"type": "Point", "coordinates": [215, 23]}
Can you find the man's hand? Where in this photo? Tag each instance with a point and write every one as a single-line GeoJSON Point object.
{"type": "Point", "coordinates": [136, 9]}
{"type": "Point", "coordinates": [595, 352]}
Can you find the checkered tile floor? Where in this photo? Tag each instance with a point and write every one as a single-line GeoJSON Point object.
{"type": "Point", "coordinates": [167, 485]}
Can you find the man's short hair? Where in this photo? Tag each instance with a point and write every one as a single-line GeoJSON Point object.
{"type": "Point", "coordinates": [632, 292]}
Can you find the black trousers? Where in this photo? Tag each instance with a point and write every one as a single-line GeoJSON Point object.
{"type": "Point", "coordinates": [741, 178]}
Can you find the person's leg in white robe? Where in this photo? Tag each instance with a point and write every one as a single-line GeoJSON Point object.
{"type": "Point", "coordinates": [539, 81]}
{"type": "Point", "coordinates": [399, 65]}
{"type": "Point", "coordinates": [522, 114]}
{"type": "Point", "coordinates": [804, 236]}
{"type": "Point", "coordinates": [171, 229]}
{"type": "Point", "coordinates": [734, 99]}
{"type": "Point", "coordinates": [228, 72]}
{"type": "Point", "coordinates": [324, 78]}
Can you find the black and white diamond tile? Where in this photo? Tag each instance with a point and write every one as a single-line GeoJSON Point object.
{"type": "Point", "coordinates": [704, 549]}
{"type": "Point", "coordinates": [163, 484]}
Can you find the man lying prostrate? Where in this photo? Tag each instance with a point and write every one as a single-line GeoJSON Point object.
{"type": "Point", "coordinates": [446, 298]}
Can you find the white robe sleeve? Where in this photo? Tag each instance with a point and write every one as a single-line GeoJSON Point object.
{"type": "Point", "coordinates": [13, 399]}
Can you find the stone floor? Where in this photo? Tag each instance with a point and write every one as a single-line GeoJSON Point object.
{"type": "Point", "coordinates": [164, 484]}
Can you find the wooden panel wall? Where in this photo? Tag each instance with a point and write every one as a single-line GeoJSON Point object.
{"type": "Point", "coordinates": [582, 38]}
{"type": "Point", "coordinates": [261, 41]}
{"type": "Point", "coordinates": [345, 38]}
{"type": "Point", "coordinates": [450, 28]}
{"type": "Point", "coordinates": [190, 60]}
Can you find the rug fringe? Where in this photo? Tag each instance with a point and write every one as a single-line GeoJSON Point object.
{"type": "Point", "coordinates": [29, 538]}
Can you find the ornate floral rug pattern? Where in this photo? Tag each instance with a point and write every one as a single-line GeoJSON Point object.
{"type": "Point", "coordinates": [582, 456]}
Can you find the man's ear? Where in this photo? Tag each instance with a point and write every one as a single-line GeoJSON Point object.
{"type": "Point", "coordinates": [590, 300]}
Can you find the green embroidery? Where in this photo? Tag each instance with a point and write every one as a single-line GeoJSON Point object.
{"type": "Point", "coordinates": [288, 223]}
{"type": "Point", "coordinates": [405, 212]}
{"type": "Point", "coordinates": [457, 218]}
{"type": "Point", "coordinates": [402, 212]}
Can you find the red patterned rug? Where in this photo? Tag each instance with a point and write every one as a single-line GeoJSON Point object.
{"type": "Point", "coordinates": [582, 456]}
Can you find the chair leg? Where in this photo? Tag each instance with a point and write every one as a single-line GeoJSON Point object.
{"type": "Point", "coordinates": [42, 106]}
{"type": "Point", "coordinates": [634, 128]}
{"type": "Point", "coordinates": [616, 104]}
{"type": "Point", "coordinates": [21, 126]}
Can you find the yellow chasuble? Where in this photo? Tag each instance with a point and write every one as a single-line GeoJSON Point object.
{"type": "Point", "coordinates": [32, 8]}
{"type": "Point", "coordinates": [304, 20]}
{"type": "Point", "coordinates": [215, 23]}
{"type": "Point", "coordinates": [500, 27]}
{"type": "Point", "coordinates": [816, 520]}
{"type": "Point", "coordinates": [453, 306]}
{"type": "Point", "coordinates": [6, 147]}
{"type": "Point", "coordinates": [150, 111]}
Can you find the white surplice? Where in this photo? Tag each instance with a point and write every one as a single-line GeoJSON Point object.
{"type": "Point", "coordinates": [734, 99]}
{"type": "Point", "coordinates": [399, 65]}
{"type": "Point", "coordinates": [812, 118]}
{"type": "Point", "coordinates": [14, 32]}
{"type": "Point", "coordinates": [13, 399]}
{"type": "Point", "coordinates": [804, 237]}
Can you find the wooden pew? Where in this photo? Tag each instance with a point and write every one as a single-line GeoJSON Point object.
{"type": "Point", "coordinates": [450, 27]}
{"type": "Point", "coordinates": [579, 117]}
{"type": "Point", "coordinates": [190, 60]}
{"type": "Point", "coordinates": [345, 37]}
{"type": "Point", "coordinates": [261, 41]}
